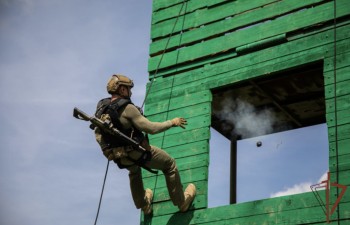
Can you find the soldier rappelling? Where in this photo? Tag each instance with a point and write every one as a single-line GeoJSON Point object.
{"type": "Point", "coordinates": [123, 116]}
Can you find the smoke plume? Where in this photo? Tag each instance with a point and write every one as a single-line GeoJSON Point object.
{"type": "Point", "coordinates": [245, 119]}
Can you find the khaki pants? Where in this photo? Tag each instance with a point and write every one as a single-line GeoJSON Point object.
{"type": "Point", "coordinates": [160, 161]}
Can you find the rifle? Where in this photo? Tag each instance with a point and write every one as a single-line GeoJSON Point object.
{"type": "Point", "coordinates": [107, 127]}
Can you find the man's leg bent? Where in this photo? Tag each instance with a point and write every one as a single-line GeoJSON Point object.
{"type": "Point", "coordinates": [164, 162]}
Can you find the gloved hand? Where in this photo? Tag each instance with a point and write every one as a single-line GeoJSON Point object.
{"type": "Point", "coordinates": [178, 121]}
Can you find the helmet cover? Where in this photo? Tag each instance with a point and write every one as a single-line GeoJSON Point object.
{"type": "Point", "coordinates": [116, 80]}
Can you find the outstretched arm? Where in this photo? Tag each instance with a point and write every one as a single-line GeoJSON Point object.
{"type": "Point", "coordinates": [143, 124]}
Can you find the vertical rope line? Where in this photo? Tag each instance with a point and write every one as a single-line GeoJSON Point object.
{"type": "Point", "coordinates": [335, 96]}
{"type": "Point", "coordinates": [103, 187]}
{"type": "Point", "coordinates": [163, 53]}
{"type": "Point", "coordinates": [172, 83]}
{"type": "Point", "coordinates": [177, 59]}
{"type": "Point", "coordinates": [157, 68]}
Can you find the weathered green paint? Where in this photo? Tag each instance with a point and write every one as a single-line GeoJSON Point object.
{"type": "Point", "coordinates": [253, 65]}
{"type": "Point", "coordinates": [205, 16]}
{"type": "Point", "coordinates": [300, 209]}
{"type": "Point", "coordinates": [343, 147]}
{"type": "Point", "coordinates": [174, 11]}
{"type": "Point", "coordinates": [295, 44]}
{"type": "Point", "coordinates": [263, 37]}
{"type": "Point", "coordinates": [196, 174]}
{"type": "Point", "coordinates": [193, 124]}
{"type": "Point", "coordinates": [228, 25]}
{"type": "Point", "coordinates": [304, 18]}
{"type": "Point", "coordinates": [343, 117]}
{"type": "Point", "coordinates": [182, 138]}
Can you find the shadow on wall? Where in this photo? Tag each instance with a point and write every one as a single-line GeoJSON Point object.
{"type": "Point", "coordinates": [181, 218]}
{"type": "Point", "coordinates": [178, 218]}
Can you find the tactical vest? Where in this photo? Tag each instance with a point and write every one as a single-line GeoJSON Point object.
{"type": "Point", "coordinates": [113, 109]}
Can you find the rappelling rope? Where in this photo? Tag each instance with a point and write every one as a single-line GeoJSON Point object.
{"type": "Point", "coordinates": [103, 187]}
{"type": "Point", "coordinates": [172, 83]}
{"type": "Point", "coordinates": [166, 46]}
{"type": "Point", "coordinates": [149, 89]}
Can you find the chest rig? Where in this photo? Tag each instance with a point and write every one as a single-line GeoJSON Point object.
{"type": "Point", "coordinates": [113, 109]}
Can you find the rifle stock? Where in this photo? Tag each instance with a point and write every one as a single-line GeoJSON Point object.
{"type": "Point", "coordinates": [77, 113]}
{"type": "Point", "coordinates": [105, 126]}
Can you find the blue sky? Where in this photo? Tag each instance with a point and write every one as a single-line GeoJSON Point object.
{"type": "Point", "coordinates": [56, 55]}
{"type": "Point", "coordinates": [286, 163]}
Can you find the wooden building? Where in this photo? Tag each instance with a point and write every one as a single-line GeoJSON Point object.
{"type": "Point", "coordinates": [290, 56]}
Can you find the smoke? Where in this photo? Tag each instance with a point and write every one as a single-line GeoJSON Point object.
{"type": "Point", "coordinates": [245, 119]}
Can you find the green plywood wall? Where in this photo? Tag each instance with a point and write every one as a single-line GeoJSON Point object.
{"type": "Point", "coordinates": [215, 43]}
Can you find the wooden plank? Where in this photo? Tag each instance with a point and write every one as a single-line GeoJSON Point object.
{"type": "Point", "coordinates": [342, 89]}
{"type": "Point", "coordinates": [186, 112]}
{"type": "Point", "coordinates": [342, 178]}
{"type": "Point", "coordinates": [195, 81]}
{"type": "Point", "coordinates": [227, 25]}
{"type": "Point", "coordinates": [308, 41]}
{"type": "Point", "coordinates": [304, 18]}
{"type": "Point", "coordinates": [178, 102]}
{"type": "Point", "coordinates": [162, 194]}
{"type": "Point", "coordinates": [343, 103]}
{"type": "Point", "coordinates": [187, 163]}
{"type": "Point", "coordinates": [281, 210]}
{"type": "Point", "coordinates": [185, 137]}
{"type": "Point", "coordinates": [164, 208]}
{"type": "Point", "coordinates": [189, 149]}
{"type": "Point", "coordinates": [174, 11]}
{"type": "Point", "coordinates": [263, 69]}
{"type": "Point", "coordinates": [340, 163]}
{"type": "Point", "coordinates": [160, 4]}
{"type": "Point", "coordinates": [313, 215]}
{"type": "Point", "coordinates": [187, 176]}
{"type": "Point", "coordinates": [343, 147]}
{"type": "Point", "coordinates": [157, 84]}
{"type": "Point", "coordinates": [205, 16]}
{"type": "Point", "coordinates": [192, 4]}
{"type": "Point", "coordinates": [273, 53]}
{"type": "Point", "coordinates": [342, 74]}
{"type": "Point", "coordinates": [343, 117]}
{"type": "Point", "coordinates": [342, 134]}
{"type": "Point", "coordinates": [249, 71]}
{"type": "Point", "coordinates": [267, 67]}
{"type": "Point", "coordinates": [342, 60]}
{"type": "Point", "coordinates": [193, 123]}
{"type": "Point", "coordinates": [228, 55]}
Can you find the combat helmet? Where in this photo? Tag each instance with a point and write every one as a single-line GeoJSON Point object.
{"type": "Point", "coordinates": [116, 80]}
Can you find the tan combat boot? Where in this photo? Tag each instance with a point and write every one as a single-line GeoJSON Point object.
{"type": "Point", "coordinates": [190, 193]}
{"type": "Point", "coordinates": [147, 209]}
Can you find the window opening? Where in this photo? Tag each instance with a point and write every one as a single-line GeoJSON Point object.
{"type": "Point", "coordinates": [275, 135]}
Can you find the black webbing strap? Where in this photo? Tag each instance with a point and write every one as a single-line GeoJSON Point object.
{"type": "Point", "coordinates": [145, 157]}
